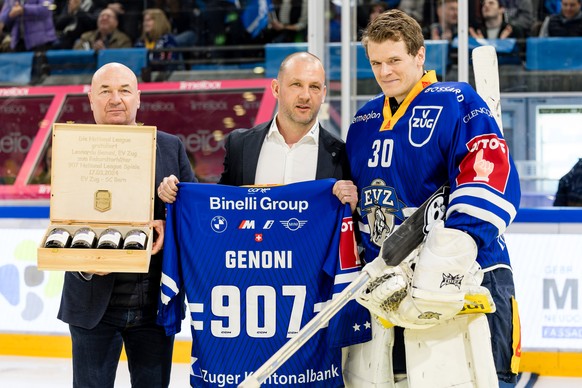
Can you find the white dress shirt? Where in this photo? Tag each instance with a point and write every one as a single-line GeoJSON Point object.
{"type": "Point", "coordinates": [280, 163]}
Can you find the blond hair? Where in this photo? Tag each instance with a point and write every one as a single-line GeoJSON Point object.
{"type": "Point", "coordinates": [397, 26]}
{"type": "Point", "coordinates": [161, 24]}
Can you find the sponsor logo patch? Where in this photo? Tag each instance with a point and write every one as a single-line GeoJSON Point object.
{"type": "Point", "coordinates": [293, 224]}
{"type": "Point", "coordinates": [218, 224]}
{"type": "Point", "coordinates": [422, 124]}
{"type": "Point", "coordinates": [486, 162]}
{"type": "Point", "coordinates": [451, 280]}
{"type": "Point", "coordinates": [247, 224]}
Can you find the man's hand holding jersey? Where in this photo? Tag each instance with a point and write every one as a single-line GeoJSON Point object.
{"type": "Point", "coordinates": [168, 189]}
{"type": "Point", "coordinates": [428, 287]}
{"type": "Point", "coordinates": [346, 192]}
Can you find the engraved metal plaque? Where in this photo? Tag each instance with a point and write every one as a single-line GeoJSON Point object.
{"type": "Point", "coordinates": [102, 200]}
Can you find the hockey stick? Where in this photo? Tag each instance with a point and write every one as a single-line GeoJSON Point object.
{"type": "Point", "coordinates": [487, 79]}
{"type": "Point", "coordinates": [395, 249]}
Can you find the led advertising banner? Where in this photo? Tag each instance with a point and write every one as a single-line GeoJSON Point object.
{"type": "Point", "coordinates": [200, 113]}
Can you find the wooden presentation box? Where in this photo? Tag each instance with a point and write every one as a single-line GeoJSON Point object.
{"type": "Point", "coordinates": [102, 176]}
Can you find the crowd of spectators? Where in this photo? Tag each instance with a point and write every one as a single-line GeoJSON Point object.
{"type": "Point", "coordinates": [35, 25]}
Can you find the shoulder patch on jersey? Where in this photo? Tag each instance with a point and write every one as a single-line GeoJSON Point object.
{"type": "Point", "coordinates": [487, 162]}
{"type": "Point", "coordinates": [348, 251]}
{"type": "Point", "coordinates": [422, 124]}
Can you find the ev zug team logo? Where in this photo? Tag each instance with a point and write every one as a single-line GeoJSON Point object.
{"type": "Point", "coordinates": [381, 206]}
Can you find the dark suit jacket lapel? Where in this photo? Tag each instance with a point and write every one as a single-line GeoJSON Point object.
{"type": "Point", "coordinates": [327, 155]}
{"type": "Point", "coordinates": [251, 151]}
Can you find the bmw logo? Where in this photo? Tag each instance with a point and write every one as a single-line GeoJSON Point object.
{"type": "Point", "coordinates": [218, 224]}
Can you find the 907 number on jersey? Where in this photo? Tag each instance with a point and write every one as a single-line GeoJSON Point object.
{"type": "Point", "coordinates": [260, 311]}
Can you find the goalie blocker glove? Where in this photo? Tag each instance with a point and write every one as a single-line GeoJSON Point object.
{"type": "Point", "coordinates": [428, 287]}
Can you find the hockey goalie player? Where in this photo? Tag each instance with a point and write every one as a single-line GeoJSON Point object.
{"type": "Point", "coordinates": [402, 145]}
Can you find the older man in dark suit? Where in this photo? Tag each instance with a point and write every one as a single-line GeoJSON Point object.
{"type": "Point", "coordinates": [293, 147]}
{"type": "Point", "coordinates": [106, 311]}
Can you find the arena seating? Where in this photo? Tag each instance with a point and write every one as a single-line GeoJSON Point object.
{"type": "Point", "coordinates": [436, 58]}
{"type": "Point", "coordinates": [508, 50]}
{"type": "Point", "coordinates": [554, 53]}
{"type": "Point", "coordinates": [558, 59]}
{"type": "Point", "coordinates": [16, 68]}
{"type": "Point", "coordinates": [66, 62]}
{"type": "Point", "coordinates": [134, 58]}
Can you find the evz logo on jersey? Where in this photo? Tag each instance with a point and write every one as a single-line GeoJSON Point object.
{"type": "Point", "coordinates": [422, 124]}
{"type": "Point", "coordinates": [381, 206]}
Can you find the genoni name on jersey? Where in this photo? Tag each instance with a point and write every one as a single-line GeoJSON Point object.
{"type": "Point", "coordinates": [258, 259]}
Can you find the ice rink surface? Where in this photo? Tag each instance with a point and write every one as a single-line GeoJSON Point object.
{"type": "Point", "coordinates": [35, 372]}
{"type": "Point", "coordinates": [41, 372]}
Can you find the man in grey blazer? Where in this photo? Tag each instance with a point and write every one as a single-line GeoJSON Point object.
{"type": "Point", "coordinates": [106, 311]}
{"type": "Point", "coordinates": [292, 147]}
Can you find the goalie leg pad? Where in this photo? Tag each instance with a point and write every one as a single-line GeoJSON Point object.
{"type": "Point", "coordinates": [456, 354]}
{"type": "Point", "coordinates": [370, 364]}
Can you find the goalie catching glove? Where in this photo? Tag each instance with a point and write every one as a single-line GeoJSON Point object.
{"type": "Point", "coordinates": [429, 286]}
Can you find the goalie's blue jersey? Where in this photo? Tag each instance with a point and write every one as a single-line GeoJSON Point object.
{"type": "Point", "coordinates": [256, 264]}
{"type": "Point", "coordinates": [442, 132]}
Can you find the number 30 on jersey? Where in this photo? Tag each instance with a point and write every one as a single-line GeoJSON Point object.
{"type": "Point", "coordinates": [381, 153]}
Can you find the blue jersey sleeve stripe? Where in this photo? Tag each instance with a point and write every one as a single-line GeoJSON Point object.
{"type": "Point", "coordinates": [485, 204]}
{"type": "Point", "coordinates": [165, 298]}
{"type": "Point", "coordinates": [486, 195]}
{"type": "Point", "coordinates": [170, 283]}
{"type": "Point", "coordinates": [480, 213]}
